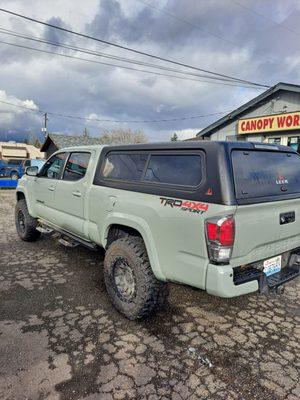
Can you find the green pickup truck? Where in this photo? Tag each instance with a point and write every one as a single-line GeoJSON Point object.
{"type": "Point", "coordinates": [219, 216]}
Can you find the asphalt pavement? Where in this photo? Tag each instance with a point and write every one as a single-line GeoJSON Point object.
{"type": "Point", "coordinates": [60, 337]}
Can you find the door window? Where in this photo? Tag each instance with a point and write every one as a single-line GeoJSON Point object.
{"type": "Point", "coordinates": [53, 167]}
{"type": "Point", "coordinates": [14, 162]}
{"type": "Point", "coordinates": [76, 166]}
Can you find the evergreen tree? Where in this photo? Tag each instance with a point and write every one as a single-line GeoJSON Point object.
{"type": "Point", "coordinates": [174, 138]}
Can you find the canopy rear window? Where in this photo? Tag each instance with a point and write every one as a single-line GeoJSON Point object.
{"type": "Point", "coordinates": [260, 174]}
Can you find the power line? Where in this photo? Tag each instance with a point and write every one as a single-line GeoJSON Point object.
{"type": "Point", "coordinates": [109, 120]}
{"type": "Point", "coordinates": [124, 67]}
{"type": "Point", "coordinates": [21, 106]}
{"type": "Point", "coordinates": [130, 49]}
{"type": "Point", "coordinates": [106, 55]}
{"type": "Point", "coordinates": [265, 17]}
{"type": "Point", "coordinates": [141, 121]}
{"type": "Point", "coordinates": [183, 21]}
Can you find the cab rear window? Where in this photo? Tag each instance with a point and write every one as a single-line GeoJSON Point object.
{"type": "Point", "coordinates": [265, 173]}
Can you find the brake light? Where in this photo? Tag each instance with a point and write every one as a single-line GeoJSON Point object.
{"type": "Point", "coordinates": [212, 231]}
{"type": "Point", "coordinates": [220, 238]}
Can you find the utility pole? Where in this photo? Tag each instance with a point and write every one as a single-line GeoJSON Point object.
{"type": "Point", "coordinates": [46, 119]}
{"type": "Point", "coordinates": [85, 133]}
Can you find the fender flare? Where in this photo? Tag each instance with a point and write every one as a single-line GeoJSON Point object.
{"type": "Point", "coordinates": [29, 207]}
{"type": "Point", "coordinates": [143, 228]}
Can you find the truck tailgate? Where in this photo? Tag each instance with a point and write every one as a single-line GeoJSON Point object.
{"type": "Point", "coordinates": [267, 188]}
{"type": "Point", "coordinates": [265, 230]}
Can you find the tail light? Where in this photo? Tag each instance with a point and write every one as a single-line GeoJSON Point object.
{"type": "Point", "coordinates": [220, 238]}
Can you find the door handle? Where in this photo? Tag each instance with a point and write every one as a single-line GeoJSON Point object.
{"type": "Point", "coordinates": [113, 200]}
{"type": "Point", "coordinates": [77, 193]}
{"type": "Point", "coordinates": [110, 203]}
{"type": "Point", "coordinates": [51, 188]}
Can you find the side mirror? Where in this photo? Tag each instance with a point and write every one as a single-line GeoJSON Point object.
{"type": "Point", "coordinates": [31, 171]}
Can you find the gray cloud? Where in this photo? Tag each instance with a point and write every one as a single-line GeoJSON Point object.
{"type": "Point", "coordinates": [54, 35]}
{"type": "Point", "coordinates": [17, 123]}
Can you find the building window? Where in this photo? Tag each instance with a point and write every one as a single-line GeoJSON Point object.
{"type": "Point", "coordinates": [294, 142]}
{"type": "Point", "coordinates": [235, 138]}
{"type": "Point", "coordinates": [276, 140]}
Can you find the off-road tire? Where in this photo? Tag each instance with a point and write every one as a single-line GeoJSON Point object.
{"type": "Point", "coordinates": [150, 293]}
{"type": "Point", "coordinates": [27, 231]}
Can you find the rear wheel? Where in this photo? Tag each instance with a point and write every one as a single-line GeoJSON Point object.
{"type": "Point", "coordinates": [25, 223]}
{"type": "Point", "coordinates": [129, 280]}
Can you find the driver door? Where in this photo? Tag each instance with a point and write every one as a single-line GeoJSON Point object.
{"type": "Point", "coordinates": [45, 185]}
{"type": "Point", "coordinates": [70, 193]}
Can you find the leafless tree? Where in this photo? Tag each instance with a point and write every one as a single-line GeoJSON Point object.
{"type": "Point", "coordinates": [124, 136]}
{"type": "Point", "coordinates": [33, 139]}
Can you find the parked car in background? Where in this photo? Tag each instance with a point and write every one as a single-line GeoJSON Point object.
{"type": "Point", "coordinates": [14, 169]}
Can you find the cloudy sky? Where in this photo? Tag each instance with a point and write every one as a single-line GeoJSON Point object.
{"type": "Point", "coordinates": [248, 39]}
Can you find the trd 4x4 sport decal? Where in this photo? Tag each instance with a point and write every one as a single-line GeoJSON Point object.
{"type": "Point", "coordinates": [185, 205]}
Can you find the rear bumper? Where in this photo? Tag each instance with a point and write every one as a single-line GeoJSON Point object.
{"type": "Point", "coordinates": [219, 282]}
{"type": "Point", "coordinates": [223, 281]}
{"type": "Point", "coordinates": [267, 283]}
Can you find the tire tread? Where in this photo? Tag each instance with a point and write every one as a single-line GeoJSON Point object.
{"type": "Point", "coordinates": [154, 292]}
{"type": "Point", "coordinates": [30, 234]}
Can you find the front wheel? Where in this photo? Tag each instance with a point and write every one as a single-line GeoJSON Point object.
{"type": "Point", "coordinates": [25, 223]}
{"type": "Point", "coordinates": [129, 280]}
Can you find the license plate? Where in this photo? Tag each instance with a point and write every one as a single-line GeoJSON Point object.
{"type": "Point", "coordinates": [272, 265]}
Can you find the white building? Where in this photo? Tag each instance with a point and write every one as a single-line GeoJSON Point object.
{"type": "Point", "coordinates": [271, 117]}
{"type": "Point", "coordinates": [19, 151]}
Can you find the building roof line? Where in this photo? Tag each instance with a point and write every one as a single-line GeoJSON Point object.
{"type": "Point", "coordinates": [63, 141]}
{"type": "Point", "coordinates": [227, 119]}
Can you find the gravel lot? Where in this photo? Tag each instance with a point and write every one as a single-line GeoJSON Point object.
{"type": "Point", "coordinates": [60, 338]}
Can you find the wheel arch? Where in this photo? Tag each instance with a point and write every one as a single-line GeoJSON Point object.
{"type": "Point", "coordinates": [117, 231]}
{"type": "Point", "coordinates": [117, 227]}
{"type": "Point", "coordinates": [13, 171]}
{"type": "Point", "coordinates": [20, 195]}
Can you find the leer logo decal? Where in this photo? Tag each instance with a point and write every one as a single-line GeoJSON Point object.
{"type": "Point", "coordinates": [185, 205]}
{"type": "Point", "coordinates": [281, 180]}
